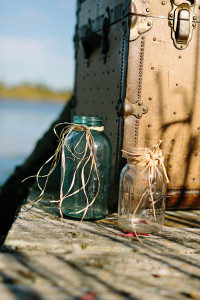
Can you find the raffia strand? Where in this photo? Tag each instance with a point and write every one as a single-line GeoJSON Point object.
{"type": "Point", "coordinates": [55, 158]}
{"type": "Point", "coordinates": [150, 159]}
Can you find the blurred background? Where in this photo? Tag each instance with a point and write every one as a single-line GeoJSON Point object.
{"type": "Point", "coordinates": [36, 73]}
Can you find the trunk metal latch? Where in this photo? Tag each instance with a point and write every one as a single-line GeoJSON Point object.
{"type": "Point", "coordinates": [182, 20]}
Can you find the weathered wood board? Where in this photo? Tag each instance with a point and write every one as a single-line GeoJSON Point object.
{"type": "Point", "coordinates": [46, 258]}
{"type": "Point", "coordinates": [13, 192]}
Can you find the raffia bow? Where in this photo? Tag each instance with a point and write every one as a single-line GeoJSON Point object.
{"type": "Point", "coordinates": [87, 158]}
{"type": "Point", "coordinates": [150, 158]}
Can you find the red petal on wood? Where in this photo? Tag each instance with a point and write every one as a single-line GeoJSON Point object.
{"type": "Point", "coordinates": [88, 296]}
{"type": "Point", "coordinates": [131, 234]}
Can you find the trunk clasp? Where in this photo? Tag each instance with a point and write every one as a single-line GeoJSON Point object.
{"type": "Point", "coordinates": [182, 21]}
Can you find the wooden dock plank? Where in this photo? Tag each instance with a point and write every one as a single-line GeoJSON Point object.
{"type": "Point", "coordinates": [46, 258]}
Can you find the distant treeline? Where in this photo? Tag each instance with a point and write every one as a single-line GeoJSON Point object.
{"type": "Point", "coordinates": [33, 92]}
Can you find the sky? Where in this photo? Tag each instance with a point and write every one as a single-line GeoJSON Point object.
{"type": "Point", "coordinates": [36, 42]}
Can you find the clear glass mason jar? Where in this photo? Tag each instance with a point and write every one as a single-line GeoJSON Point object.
{"type": "Point", "coordinates": [136, 212]}
{"type": "Point", "coordinates": [76, 140]}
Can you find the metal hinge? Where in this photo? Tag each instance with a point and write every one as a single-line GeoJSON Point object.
{"type": "Point", "coordinates": [136, 109]}
{"type": "Point", "coordinates": [182, 20]}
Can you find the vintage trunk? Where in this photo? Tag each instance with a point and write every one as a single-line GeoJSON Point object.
{"type": "Point", "coordinates": [137, 65]}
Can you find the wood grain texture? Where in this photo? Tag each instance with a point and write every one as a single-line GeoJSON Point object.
{"type": "Point", "coordinates": [46, 258]}
{"type": "Point", "coordinates": [13, 193]}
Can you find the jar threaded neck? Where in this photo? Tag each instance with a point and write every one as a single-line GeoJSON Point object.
{"type": "Point", "coordinates": [88, 121]}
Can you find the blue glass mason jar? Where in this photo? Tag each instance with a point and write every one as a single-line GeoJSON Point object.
{"type": "Point", "coordinates": [73, 150]}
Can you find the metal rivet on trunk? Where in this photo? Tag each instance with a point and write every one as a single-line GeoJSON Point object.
{"type": "Point", "coordinates": [145, 109]}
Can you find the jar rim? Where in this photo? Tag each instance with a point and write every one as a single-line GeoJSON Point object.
{"type": "Point", "coordinates": [89, 121]}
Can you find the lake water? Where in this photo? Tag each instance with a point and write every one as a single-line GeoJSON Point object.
{"type": "Point", "coordinates": [22, 123]}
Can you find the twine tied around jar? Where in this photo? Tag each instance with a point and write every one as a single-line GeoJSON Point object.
{"type": "Point", "coordinates": [55, 158]}
{"type": "Point", "coordinates": [150, 158]}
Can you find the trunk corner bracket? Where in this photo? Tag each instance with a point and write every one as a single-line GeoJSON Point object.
{"type": "Point", "coordinates": [139, 21]}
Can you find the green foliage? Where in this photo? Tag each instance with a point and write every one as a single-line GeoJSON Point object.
{"type": "Point", "coordinates": [34, 92]}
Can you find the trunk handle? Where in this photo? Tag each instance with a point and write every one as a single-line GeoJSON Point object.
{"type": "Point", "coordinates": [91, 40]}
